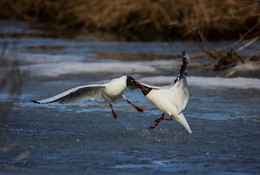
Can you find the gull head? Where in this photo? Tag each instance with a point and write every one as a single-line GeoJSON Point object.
{"type": "Point", "coordinates": [145, 89]}
{"type": "Point", "coordinates": [131, 83]}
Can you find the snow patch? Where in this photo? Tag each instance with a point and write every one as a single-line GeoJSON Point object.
{"type": "Point", "coordinates": [209, 82]}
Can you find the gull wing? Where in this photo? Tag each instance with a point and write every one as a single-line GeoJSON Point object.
{"type": "Point", "coordinates": [155, 87]}
{"type": "Point", "coordinates": [182, 72]}
{"type": "Point", "coordinates": [180, 94]}
{"type": "Point", "coordinates": [77, 95]}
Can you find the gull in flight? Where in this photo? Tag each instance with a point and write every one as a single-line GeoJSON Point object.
{"type": "Point", "coordinates": [108, 92]}
{"type": "Point", "coordinates": [170, 99]}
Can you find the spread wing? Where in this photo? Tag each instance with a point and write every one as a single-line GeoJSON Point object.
{"type": "Point", "coordinates": [77, 95]}
{"type": "Point", "coordinates": [155, 87]}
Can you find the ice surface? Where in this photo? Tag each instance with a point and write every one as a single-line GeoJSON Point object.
{"type": "Point", "coordinates": [247, 66]}
{"type": "Point", "coordinates": [65, 68]}
{"type": "Point", "coordinates": [209, 82]}
{"type": "Point", "coordinates": [84, 139]}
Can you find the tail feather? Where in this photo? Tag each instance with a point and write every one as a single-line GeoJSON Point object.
{"type": "Point", "coordinates": [182, 71]}
{"type": "Point", "coordinates": [182, 120]}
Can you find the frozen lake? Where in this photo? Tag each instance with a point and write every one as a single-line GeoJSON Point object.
{"type": "Point", "coordinates": [223, 114]}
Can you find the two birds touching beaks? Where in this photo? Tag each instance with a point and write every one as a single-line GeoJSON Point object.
{"type": "Point", "coordinates": [171, 99]}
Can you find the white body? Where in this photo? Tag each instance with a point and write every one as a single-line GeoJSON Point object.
{"type": "Point", "coordinates": [115, 89]}
{"type": "Point", "coordinates": [172, 100]}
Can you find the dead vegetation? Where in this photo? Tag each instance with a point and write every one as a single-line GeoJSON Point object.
{"type": "Point", "coordinates": [230, 56]}
{"type": "Point", "coordinates": [146, 20]}
{"type": "Point", "coordinates": [11, 82]}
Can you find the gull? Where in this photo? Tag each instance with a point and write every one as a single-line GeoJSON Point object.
{"type": "Point", "coordinates": [171, 99]}
{"type": "Point", "coordinates": [108, 92]}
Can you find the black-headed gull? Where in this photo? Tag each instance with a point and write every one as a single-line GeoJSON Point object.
{"type": "Point", "coordinates": [170, 99]}
{"type": "Point", "coordinates": [109, 92]}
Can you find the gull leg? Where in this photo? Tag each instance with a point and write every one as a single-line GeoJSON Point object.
{"type": "Point", "coordinates": [169, 119]}
{"type": "Point", "coordinates": [158, 120]}
{"type": "Point", "coordinates": [113, 112]}
{"type": "Point", "coordinates": [136, 107]}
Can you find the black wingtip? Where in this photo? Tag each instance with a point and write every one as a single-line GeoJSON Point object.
{"type": "Point", "coordinates": [35, 101]}
{"type": "Point", "coordinates": [182, 71]}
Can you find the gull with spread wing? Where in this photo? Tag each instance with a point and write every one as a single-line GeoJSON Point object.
{"type": "Point", "coordinates": [108, 92]}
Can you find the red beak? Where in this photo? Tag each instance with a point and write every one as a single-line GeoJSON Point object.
{"type": "Point", "coordinates": [138, 85]}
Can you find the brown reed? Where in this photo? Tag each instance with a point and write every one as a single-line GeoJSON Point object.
{"type": "Point", "coordinates": [138, 20]}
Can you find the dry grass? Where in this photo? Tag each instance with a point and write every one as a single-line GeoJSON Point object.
{"type": "Point", "coordinates": [139, 20]}
{"type": "Point", "coordinates": [11, 82]}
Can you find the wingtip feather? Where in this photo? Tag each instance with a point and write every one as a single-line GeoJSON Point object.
{"type": "Point", "coordinates": [34, 101]}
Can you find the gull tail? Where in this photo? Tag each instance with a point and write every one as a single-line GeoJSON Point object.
{"type": "Point", "coordinates": [182, 72]}
{"type": "Point", "coordinates": [182, 120]}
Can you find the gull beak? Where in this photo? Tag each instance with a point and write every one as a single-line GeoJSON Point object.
{"type": "Point", "coordinates": [133, 86]}
{"type": "Point", "coordinates": [138, 85]}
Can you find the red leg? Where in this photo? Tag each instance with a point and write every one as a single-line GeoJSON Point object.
{"type": "Point", "coordinates": [169, 119]}
{"type": "Point", "coordinates": [136, 107]}
{"type": "Point", "coordinates": [113, 112]}
{"type": "Point", "coordinates": [157, 121]}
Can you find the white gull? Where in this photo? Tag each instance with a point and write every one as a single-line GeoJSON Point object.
{"type": "Point", "coordinates": [170, 99]}
{"type": "Point", "coordinates": [108, 92]}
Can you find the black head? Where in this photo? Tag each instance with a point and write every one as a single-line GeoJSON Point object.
{"type": "Point", "coordinates": [130, 82]}
{"type": "Point", "coordinates": [145, 90]}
